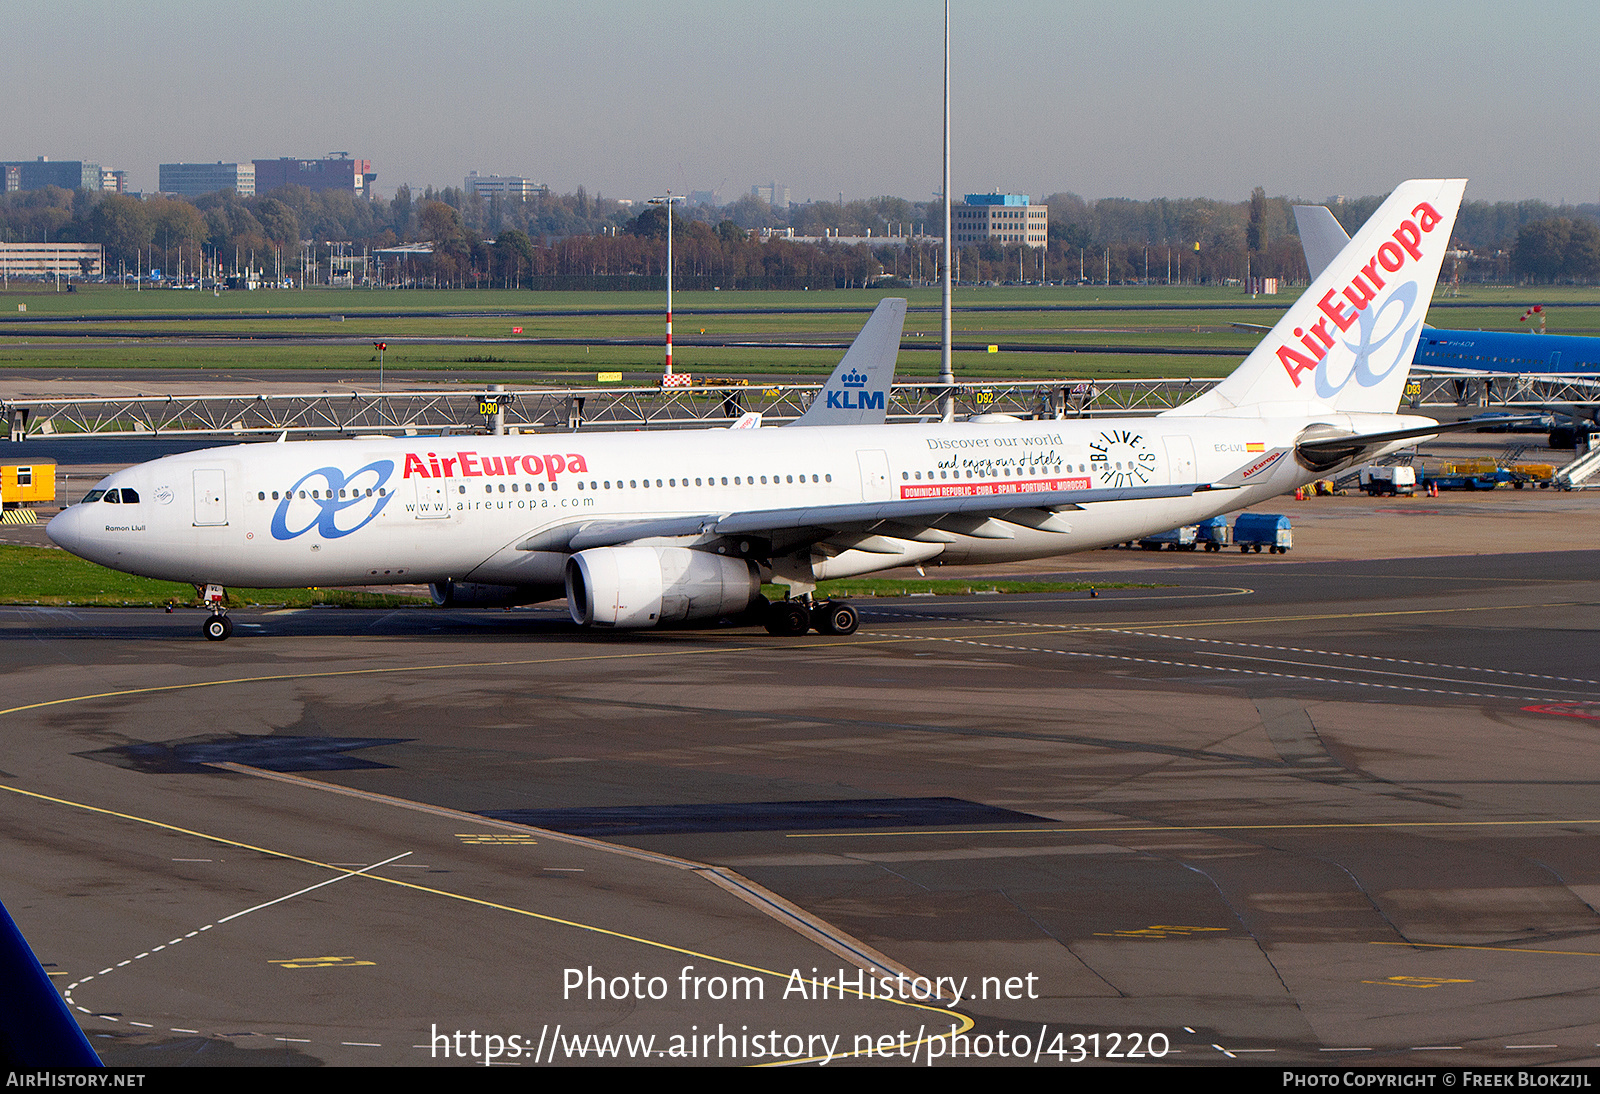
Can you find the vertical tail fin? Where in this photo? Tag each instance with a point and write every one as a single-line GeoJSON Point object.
{"type": "Point", "coordinates": [1346, 345]}
{"type": "Point", "coordinates": [1322, 237]}
{"type": "Point", "coordinates": [858, 391]}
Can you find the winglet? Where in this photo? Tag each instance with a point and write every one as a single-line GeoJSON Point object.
{"type": "Point", "coordinates": [858, 391]}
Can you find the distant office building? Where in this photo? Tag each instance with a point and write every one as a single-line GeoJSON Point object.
{"type": "Point", "coordinates": [191, 180]}
{"type": "Point", "coordinates": [1003, 218]}
{"type": "Point", "coordinates": [42, 172]}
{"type": "Point", "coordinates": [703, 197]}
{"type": "Point", "coordinates": [51, 260]}
{"type": "Point", "coordinates": [333, 172]}
{"type": "Point", "coordinates": [114, 182]}
{"type": "Point", "coordinates": [772, 194]}
{"type": "Point", "coordinates": [505, 186]}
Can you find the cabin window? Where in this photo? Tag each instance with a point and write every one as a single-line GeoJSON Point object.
{"type": "Point", "coordinates": [261, 495]}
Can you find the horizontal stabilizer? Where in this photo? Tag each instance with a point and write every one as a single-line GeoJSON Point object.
{"type": "Point", "coordinates": [1323, 447]}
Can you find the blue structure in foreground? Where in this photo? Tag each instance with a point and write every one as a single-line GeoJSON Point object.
{"type": "Point", "coordinates": [36, 1029]}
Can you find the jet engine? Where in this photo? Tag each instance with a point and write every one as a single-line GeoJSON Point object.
{"type": "Point", "coordinates": [630, 587]}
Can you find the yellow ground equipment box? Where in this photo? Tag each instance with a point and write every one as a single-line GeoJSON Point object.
{"type": "Point", "coordinates": [27, 484]}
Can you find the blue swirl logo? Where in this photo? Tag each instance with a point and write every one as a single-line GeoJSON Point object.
{"type": "Point", "coordinates": [1361, 369]}
{"type": "Point", "coordinates": [327, 500]}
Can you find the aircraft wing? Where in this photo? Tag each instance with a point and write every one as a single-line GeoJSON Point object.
{"type": "Point", "coordinates": [821, 522]}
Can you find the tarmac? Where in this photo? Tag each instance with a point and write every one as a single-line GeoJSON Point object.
{"type": "Point", "coordinates": [1331, 807]}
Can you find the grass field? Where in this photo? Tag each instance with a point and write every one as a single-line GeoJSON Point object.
{"type": "Point", "coordinates": [288, 330]}
{"type": "Point", "coordinates": [42, 575]}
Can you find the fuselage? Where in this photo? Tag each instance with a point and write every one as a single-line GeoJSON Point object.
{"type": "Point", "coordinates": [493, 509]}
{"type": "Point", "coordinates": [1507, 351]}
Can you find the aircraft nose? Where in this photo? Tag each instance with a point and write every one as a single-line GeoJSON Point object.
{"type": "Point", "coordinates": [66, 529]}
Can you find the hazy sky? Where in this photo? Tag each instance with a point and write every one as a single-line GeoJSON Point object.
{"type": "Point", "coordinates": [628, 98]}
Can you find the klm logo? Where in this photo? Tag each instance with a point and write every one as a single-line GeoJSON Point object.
{"type": "Point", "coordinates": [853, 397]}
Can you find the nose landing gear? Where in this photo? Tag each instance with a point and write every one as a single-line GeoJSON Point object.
{"type": "Point", "coordinates": [219, 626]}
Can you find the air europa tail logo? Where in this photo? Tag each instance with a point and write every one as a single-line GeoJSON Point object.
{"type": "Point", "coordinates": [470, 465]}
{"type": "Point", "coordinates": [1353, 308]}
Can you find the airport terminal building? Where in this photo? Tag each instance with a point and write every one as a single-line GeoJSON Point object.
{"type": "Point", "coordinates": [29, 260]}
{"type": "Point", "coordinates": [1001, 218]}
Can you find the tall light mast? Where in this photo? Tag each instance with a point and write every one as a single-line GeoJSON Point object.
{"type": "Point", "coordinates": [946, 373]}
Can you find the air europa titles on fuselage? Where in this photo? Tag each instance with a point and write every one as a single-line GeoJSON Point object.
{"type": "Point", "coordinates": [1358, 295]}
{"type": "Point", "coordinates": [471, 465]}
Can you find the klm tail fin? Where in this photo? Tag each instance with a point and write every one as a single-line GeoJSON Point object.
{"type": "Point", "coordinates": [858, 391]}
{"type": "Point", "coordinates": [1322, 237]}
{"type": "Point", "coordinates": [1346, 345]}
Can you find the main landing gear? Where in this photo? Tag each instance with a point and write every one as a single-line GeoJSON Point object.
{"type": "Point", "coordinates": [792, 618]}
{"type": "Point", "coordinates": [218, 627]}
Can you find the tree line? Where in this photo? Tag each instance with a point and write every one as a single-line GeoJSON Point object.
{"type": "Point", "coordinates": [546, 238]}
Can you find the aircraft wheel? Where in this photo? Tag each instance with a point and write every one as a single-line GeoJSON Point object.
{"type": "Point", "coordinates": [218, 627]}
{"type": "Point", "coordinates": [836, 617]}
{"type": "Point", "coordinates": [788, 619]}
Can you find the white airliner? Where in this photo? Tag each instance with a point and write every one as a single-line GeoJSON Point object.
{"type": "Point", "coordinates": [647, 528]}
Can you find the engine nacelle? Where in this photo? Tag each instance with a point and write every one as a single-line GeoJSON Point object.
{"type": "Point", "coordinates": [630, 587]}
{"type": "Point", "coordinates": [470, 594]}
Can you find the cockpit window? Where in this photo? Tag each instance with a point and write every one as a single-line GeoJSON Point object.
{"type": "Point", "coordinates": [113, 496]}
{"type": "Point", "coordinates": [93, 495]}
{"type": "Point", "coordinates": [130, 496]}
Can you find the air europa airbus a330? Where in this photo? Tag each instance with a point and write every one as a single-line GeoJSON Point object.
{"type": "Point", "coordinates": [641, 529]}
